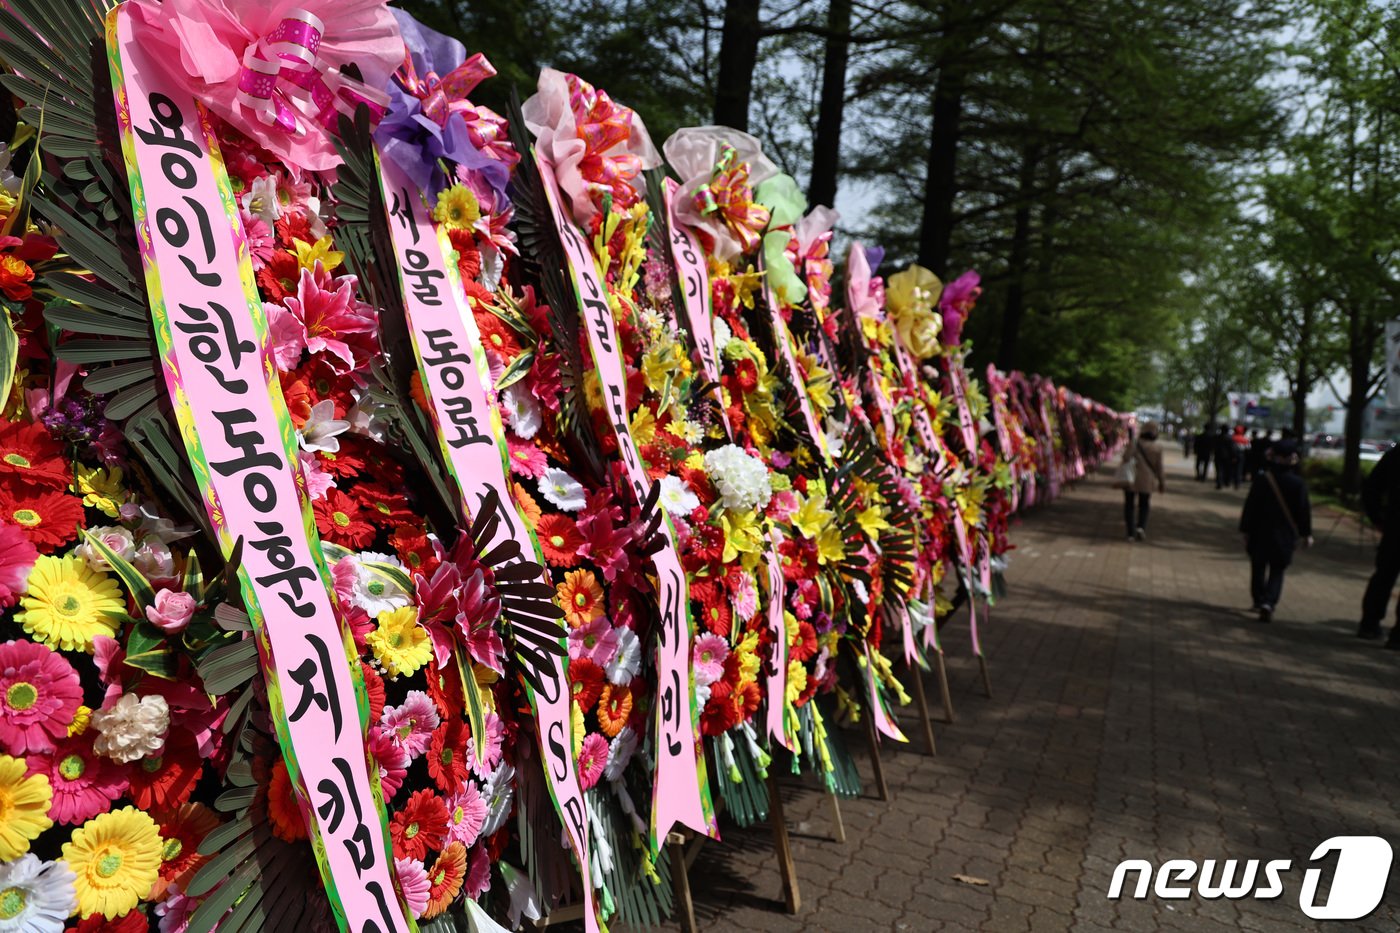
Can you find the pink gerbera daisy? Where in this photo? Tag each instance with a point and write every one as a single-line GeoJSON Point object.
{"type": "Point", "coordinates": [710, 652]}
{"type": "Point", "coordinates": [39, 696]}
{"type": "Point", "coordinates": [17, 557]}
{"type": "Point", "coordinates": [392, 759]}
{"type": "Point", "coordinates": [491, 753]}
{"type": "Point", "coordinates": [526, 459]}
{"type": "Point", "coordinates": [410, 725]}
{"type": "Point", "coordinates": [595, 640]}
{"type": "Point", "coordinates": [414, 883]}
{"type": "Point", "coordinates": [466, 814]}
{"type": "Point", "coordinates": [591, 759]}
{"type": "Point", "coordinates": [84, 783]}
{"type": "Point", "coordinates": [478, 873]}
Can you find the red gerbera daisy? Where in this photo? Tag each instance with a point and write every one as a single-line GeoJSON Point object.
{"type": "Point", "coordinates": [385, 506]}
{"type": "Point", "coordinates": [29, 453]}
{"type": "Point", "coordinates": [585, 682]}
{"type": "Point", "coordinates": [719, 714]}
{"type": "Point", "coordinates": [182, 830]}
{"type": "Point", "coordinates": [447, 757]}
{"type": "Point", "coordinates": [497, 337]}
{"type": "Point", "coordinates": [559, 539]}
{"type": "Point", "coordinates": [420, 826]}
{"type": "Point", "coordinates": [47, 518]}
{"type": "Point", "coordinates": [374, 690]}
{"type": "Point", "coordinates": [341, 521]}
{"type": "Point", "coordinates": [279, 277]}
{"type": "Point", "coordinates": [133, 922]}
{"type": "Point", "coordinates": [445, 688]}
{"type": "Point", "coordinates": [167, 780]}
{"type": "Point", "coordinates": [346, 463]}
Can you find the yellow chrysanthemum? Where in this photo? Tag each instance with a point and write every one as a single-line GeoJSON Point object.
{"type": "Point", "coordinates": [24, 807]}
{"type": "Point", "coordinates": [68, 602]}
{"type": "Point", "coordinates": [399, 643]}
{"type": "Point", "coordinates": [576, 727]}
{"type": "Point", "coordinates": [457, 208]}
{"type": "Point", "coordinates": [101, 488]}
{"type": "Point", "coordinates": [116, 859]}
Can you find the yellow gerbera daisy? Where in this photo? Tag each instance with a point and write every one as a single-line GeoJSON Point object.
{"type": "Point", "coordinates": [457, 208]}
{"type": "Point", "coordinates": [101, 488]}
{"type": "Point", "coordinates": [400, 644]}
{"type": "Point", "coordinates": [116, 859]}
{"type": "Point", "coordinates": [68, 603]}
{"type": "Point", "coordinates": [24, 807]}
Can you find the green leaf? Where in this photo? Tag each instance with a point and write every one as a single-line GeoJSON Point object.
{"type": "Point", "coordinates": [476, 708]}
{"type": "Point", "coordinates": [396, 575]}
{"type": "Point", "coordinates": [9, 354]}
{"type": "Point", "coordinates": [163, 664]}
{"type": "Point", "coordinates": [517, 370]}
{"type": "Point", "coordinates": [144, 637]}
{"type": "Point", "coordinates": [135, 581]}
{"type": "Point", "coordinates": [194, 580]}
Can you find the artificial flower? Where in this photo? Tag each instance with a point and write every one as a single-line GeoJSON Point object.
{"type": "Point", "coordinates": [581, 597]}
{"type": "Point", "coordinates": [101, 488]}
{"type": "Point", "coordinates": [413, 884]}
{"type": "Point", "coordinates": [168, 779]}
{"type": "Point", "coordinates": [585, 682]}
{"type": "Point", "coordinates": [321, 429]}
{"type": "Point", "coordinates": [39, 696]}
{"type": "Point", "coordinates": [740, 479]}
{"type": "Point", "coordinates": [595, 640]}
{"type": "Point", "coordinates": [559, 540]}
{"type": "Point", "coordinates": [447, 756]}
{"type": "Point", "coordinates": [446, 876]}
{"type": "Point", "coordinates": [457, 208]}
{"type": "Point", "coordinates": [676, 497]}
{"type": "Point", "coordinates": [420, 826]}
{"type": "Point", "coordinates": [710, 653]}
{"type": "Point", "coordinates": [132, 728]}
{"type": "Point", "coordinates": [282, 809]}
{"type": "Point", "coordinates": [17, 557]}
{"type": "Point", "coordinates": [24, 807]}
{"type": "Point", "coordinates": [47, 518]}
{"type": "Point", "coordinates": [30, 454]}
{"type": "Point", "coordinates": [171, 611]}
{"type": "Point", "coordinates": [83, 782]}
{"type": "Point", "coordinates": [523, 411]}
{"type": "Point", "coordinates": [323, 317]}
{"type": "Point", "coordinates": [392, 762]}
{"type": "Point", "coordinates": [68, 604]}
{"type": "Point", "coordinates": [411, 723]}
{"type": "Point", "coordinates": [627, 659]}
{"type": "Point", "coordinates": [562, 491]}
{"type": "Point", "coordinates": [526, 459]}
{"type": "Point", "coordinates": [592, 759]}
{"type": "Point", "coordinates": [116, 858]}
{"type": "Point", "coordinates": [342, 520]}
{"type": "Point", "coordinates": [118, 539]}
{"type": "Point", "coordinates": [35, 896]}
{"type": "Point", "coordinates": [182, 830]}
{"type": "Point", "coordinates": [614, 709]}
{"type": "Point", "coordinates": [399, 643]}
{"type": "Point", "coordinates": [466, 812]}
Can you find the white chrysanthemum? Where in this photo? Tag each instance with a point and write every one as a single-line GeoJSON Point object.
{"type": "Point", "coordinates": [35, 896]}
{"type": "Point", "coordinates": [132, 728]}
{"type": "Point", "coordinates": [377, 592]}
{"type": "Point", "coordinates": [562, 490]}
{"type": "Point", "coordinates": [742, 480]}
{"type": "Point", "coordinates": [522, 411]}
{"type": "Point", "coordinates": [676, 497]}
{"type": "Point", "coordinates": [628, 660]}
{"type": "Point", "coordinates": [620, 753]}
{"type": "Point", "coordinates": [498, 791]}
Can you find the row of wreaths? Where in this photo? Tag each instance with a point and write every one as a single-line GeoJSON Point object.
{"type": "Point", "coordinates": [570, 485]}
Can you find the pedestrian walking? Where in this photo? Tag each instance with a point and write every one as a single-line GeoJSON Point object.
{"type": "Point", "coordinates": [1254, 457]}
{"type": "Point", "coordinates": [1202, 446]}
{"type": "Point", "coordinates": [1224, 452]}
{"type": "Point", "coordinates": [1276, 517]}
{"type": "Point", "coordinates": [1139, 475]}
{"type": "Point", "coordinates": [1241, 440]}
{"type": "Point", "coordinates": [1380, 498]}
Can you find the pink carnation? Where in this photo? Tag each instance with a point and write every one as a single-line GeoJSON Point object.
{"type": "Point", "coordinates": [39, 696]}
{"type": "Point", "coordinates": [17, 557]}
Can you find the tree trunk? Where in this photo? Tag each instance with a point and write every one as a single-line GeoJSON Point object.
{"type": "Point", "coordinates": [1362, 350]}
{"type": "Point", "coordinates": [1018, 259]}
{"type": "Point", "coordinates": [941, 183]}
{"type": "Point", "coordinates": [738, 54]}
{"type": "Point", "coordinates": [826, 148]}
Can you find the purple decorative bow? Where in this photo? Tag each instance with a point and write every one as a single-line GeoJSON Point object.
{"type": "Point", "coordinates": [285, 84]}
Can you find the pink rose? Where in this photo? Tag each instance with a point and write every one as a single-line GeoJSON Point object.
{"type": "Point", "coordinates": [172, 611]}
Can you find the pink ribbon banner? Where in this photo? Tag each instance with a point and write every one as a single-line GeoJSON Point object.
{"type": "Point", "coordinates": [682, 792]}
{"type": "Point", "coordinates": [688, 259]}
{"type": "Point", "coordinates": [472, 438]}
{"type": "Point", "coordinates": [215, 354]}
{"type": "Point", "coordinates": [879, 706]}
{"type": "Point", "coordinates": [782, 337]}
{"type": "Point", "coordinates": [957, 376]}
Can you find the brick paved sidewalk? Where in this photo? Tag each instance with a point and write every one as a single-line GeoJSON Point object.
{"type": "Point", "coordinates": [1139, 712]}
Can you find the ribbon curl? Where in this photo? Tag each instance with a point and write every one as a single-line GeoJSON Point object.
{"type": "Point", "coordinates": [729, 197]}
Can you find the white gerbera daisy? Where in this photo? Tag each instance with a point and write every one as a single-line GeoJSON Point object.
{"type": "Point", "coordinates": [628, 660]}
{"type": "Point", "coordinates": [677, 497]}
{"type": "Point", "coordinates": [562, 490]}
{"type": "Point", "coordinates": [35, 896]}
{"type": "Point", "coordinates": [522, 411]}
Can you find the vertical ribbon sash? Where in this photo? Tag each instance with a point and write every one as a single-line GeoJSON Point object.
{"type": "Point", "coordinates": [879, 706]}
{"type": "Point", "coordinates": [447, 347]}
{"type": "Point", "coordinates": [688, 259]}
{"type": "Point", "coordinates": [682, 792]}
{"type": "Point", "coordinates": [215, 354]}
{"type": "Point", "coordinates": [933, 444]}
{"type": "Point", "coordinates": [957, 376]}
{"type": "Point", "coordinates": [782, 339]}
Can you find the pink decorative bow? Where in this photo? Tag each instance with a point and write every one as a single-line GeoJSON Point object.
{"type": "Point", "coordinates": [284, 83]}
{"type": "Point", "coordinates": [605, 128]}
{"type": "Point", "coordinates": [729, 196]}
{"type": "Point", "coordinates": [441, 97]}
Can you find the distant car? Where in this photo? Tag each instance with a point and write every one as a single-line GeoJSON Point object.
{"type": "Point", "coordinates": [1326, 441]}
{"type": "Point", "coordinates": [1372, 450]}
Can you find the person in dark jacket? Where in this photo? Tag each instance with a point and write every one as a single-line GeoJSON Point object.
{"type": "Point", "coordinates": [1225, 453]}
{"type": "Point", "coordinates": [1380, 498]}
{"type": "Point", "coordinates": [1276, 516]}
{"type": "Point", "coordinates": [1201, 446]}
{"type": "Point", "coordinates": [1254, 457]}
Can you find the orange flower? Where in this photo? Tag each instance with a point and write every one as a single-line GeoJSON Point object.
{"type": "Point", "coordinates": [528, 506]}
{"type": "Point", "coordinates": [182, 830]}
{"type": "Point", "coordinates": [580, 597]}
{"type": "Point", "coordinates": [559, 540]}
{"type": "Point", "coordinates": [446, 877]}
{"type": "Point", "coordinates": [614, 709]}
{"type": "Point", "coordinates": [287, 823]}
{"type": "Point", "coordinates": [15, 276]}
